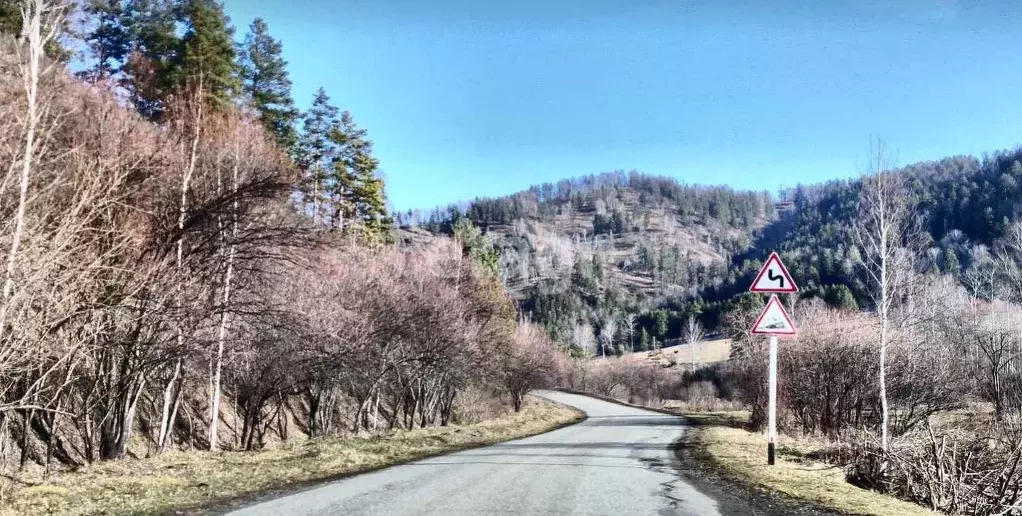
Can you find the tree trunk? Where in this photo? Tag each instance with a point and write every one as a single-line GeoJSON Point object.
{"type": "Point", "coordinates": [883, 384]}
{"type": "Point", "coordinates": [885, 303]}
{"type": "Point", "coordinates": [26, 418]}
{"type": "Point", "coordinates": [314, 404]}
{"type": "Point", "coordinates": [36, 40]}
{"type": "Point", "coordinates": [214, 418]}
{"type": "Point", "coordinates": [376, 411]}
{"type": "Point", "coordinates": [171, 393]}
{"type": "Point", "coordinates": [186, 181]}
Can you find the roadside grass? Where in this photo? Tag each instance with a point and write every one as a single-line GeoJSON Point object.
{"type": "Point", "coordinates": [743, 454]}
{"type": "Point", "coordinates": [188, 482]}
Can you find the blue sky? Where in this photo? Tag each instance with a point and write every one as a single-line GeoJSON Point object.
{"type": "Point", "coordinates": [482, 98]}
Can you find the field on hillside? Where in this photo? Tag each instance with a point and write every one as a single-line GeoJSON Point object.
{"type": "Point", "coordinates": [707, 352]}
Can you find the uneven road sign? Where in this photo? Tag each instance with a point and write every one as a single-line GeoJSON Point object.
{"type": "Point", "coordinates": [773, 277]}
{"type": "Point", "coordinates": [774, 320]}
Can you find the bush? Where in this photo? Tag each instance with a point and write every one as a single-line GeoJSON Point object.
{"type": "Point", "coordinates": [955, 471]}
{"type": "Point", "coordinates": [827, 377]}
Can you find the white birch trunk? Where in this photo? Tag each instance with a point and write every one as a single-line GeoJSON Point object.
{"type": "Point", "coordinates": [885, 303]}
{"type": "Point", "coordinates": [168, 401]}
{"type": "Point", "coordinates": [169, 405]}
{"type": "Point", "coordinates": [32, 32]}
{"type": "Point", "coordinates": [214, 410]}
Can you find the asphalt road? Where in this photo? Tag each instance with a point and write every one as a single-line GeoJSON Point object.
{"type": "Point", "coordinates": [618, 462]}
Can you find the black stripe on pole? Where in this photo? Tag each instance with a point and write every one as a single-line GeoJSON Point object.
{"type": "Point", "coordinates": [770, 454]}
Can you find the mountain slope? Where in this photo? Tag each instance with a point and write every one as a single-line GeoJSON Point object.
{"type": "Point", "coordinates": [612, 262]}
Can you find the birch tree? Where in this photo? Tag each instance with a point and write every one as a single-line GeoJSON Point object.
{"type": "Point", "coordinates": [882, 223]}
{"type": "Point", "coordinates": [629, 320]}
{"type": "Point", "coordinates": [40, 25]}
{"type": "Point", "coordinates": [228, 238]}
{"type": "Point", "coordinates": [607, 332]}
{"type": "Point", "coordinates": [693, 336]}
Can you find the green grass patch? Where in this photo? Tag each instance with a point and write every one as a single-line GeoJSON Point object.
{"type": "Point", "coordinates": [183, 481]}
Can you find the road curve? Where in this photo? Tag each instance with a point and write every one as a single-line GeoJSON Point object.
{"type": "Point", "coordinates": [618, 462]}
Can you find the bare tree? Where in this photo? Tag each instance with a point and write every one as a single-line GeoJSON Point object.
{"type": "Point", "coordinates": [529, 364]}
{"type": "Point", "coordinates": [41, 22]}
{"type": "Point", "coordinates": [582, 338]}
{"type": "Point", "coordinates": [629, 320]}
{"type": "Point", "coordinates": [883, 218]}
{"type": "Point", "coordinates": [694, 336]}
{"type": "Point", "coordinates": [607, 332]}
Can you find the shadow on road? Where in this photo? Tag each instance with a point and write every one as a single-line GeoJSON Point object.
{"type": "Point", "coordinates": [531, 463]}
{"type": "Point", "coordinates": [637, 420]}
{"type": "Point", "coordinates": [582, 445]}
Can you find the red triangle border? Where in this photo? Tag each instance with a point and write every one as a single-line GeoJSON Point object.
{"type": "Point", "coordinates": [774, 299]}
{"type": "Point", "coordinates": [784, 270]}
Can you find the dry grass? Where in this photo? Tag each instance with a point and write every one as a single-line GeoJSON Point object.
{"type": "Point", "coordinates": [190, 481]}
{"type": "Point", "coordinates": [709, 352]}
{"type": "Point", "coordinates": [743, 454]}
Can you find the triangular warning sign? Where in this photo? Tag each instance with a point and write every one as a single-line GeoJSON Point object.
{"type": "Point", "coordinates": [773, 320]}
{"type": "Point", "coordinates": [773, 277]}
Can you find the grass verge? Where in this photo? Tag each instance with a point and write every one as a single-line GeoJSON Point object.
{"type": "Point", "coordinates": [743, 454]}
{"type": "Point", "coordinates": [183, 482]}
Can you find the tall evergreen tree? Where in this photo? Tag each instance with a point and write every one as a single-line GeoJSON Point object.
{"type": "Point", "coordinates": [660, 324]}
{"type": "Point", "coordinates": [11, 25]}
{"type": "Point", "coordinates": [10, 17]}
{"type": "Point", "coordinates": [644, 339]}
{"type": "Point", "coordinates": [108, 41]}
{"type": "Point", "coordinates": [207, 57]}
{"type": "Point", "coordinates": [316, 150]}
{"type": "Point", "coordinates": [951, 264]}
{"type": "Point", "coordinates": [153, 46]}
{"type": "Point", "coordinates": [354, 184]}
{"type": "Point", "coordinates": [266, 84]}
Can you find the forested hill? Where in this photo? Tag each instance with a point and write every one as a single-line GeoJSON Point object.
{"type": "Point", "coordinates": [619, 260]}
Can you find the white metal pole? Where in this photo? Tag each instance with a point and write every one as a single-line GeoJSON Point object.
{"type": "Point", "coordinates": [772, 411]}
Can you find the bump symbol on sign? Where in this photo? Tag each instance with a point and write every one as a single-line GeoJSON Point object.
{"type": "Point", "coordinates": [774, 320]}
{"type": "Point", "coordinates": [773, 277]}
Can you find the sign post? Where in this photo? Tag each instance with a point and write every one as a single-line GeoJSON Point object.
{"type": "Point", "coordinates": [772, 417]}
{"type": "Point", "coordinates": [773, 321]}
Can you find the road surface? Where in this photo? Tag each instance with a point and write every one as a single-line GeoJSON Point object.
{"type": "Point", "coordinates": [617, 462]}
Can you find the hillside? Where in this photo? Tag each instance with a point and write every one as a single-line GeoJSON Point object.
{"type": "Point", "coordinates": [620, 260]}
{"type": "Point", "coordinates": [600, 255]}
{"type": "Point", "coordinates": [652, 233]}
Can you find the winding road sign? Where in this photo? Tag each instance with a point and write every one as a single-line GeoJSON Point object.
{"type": "Point", "coordinates": [773, 277]}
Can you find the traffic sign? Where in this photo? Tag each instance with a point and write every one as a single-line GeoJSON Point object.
{"type": "Point", "coordinates": [773, 277]}
{"type": "Point", "coordinates": [773, 320]}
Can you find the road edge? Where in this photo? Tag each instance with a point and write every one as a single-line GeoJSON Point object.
{"type": "Point", "coordinates": [698, 468]}
{"type": "Point", "coordinates": [245, 500]}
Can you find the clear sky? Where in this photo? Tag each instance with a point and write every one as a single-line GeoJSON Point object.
{"type": "Point", "coordinates": [469, 98]}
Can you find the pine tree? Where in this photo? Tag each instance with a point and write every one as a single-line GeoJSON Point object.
{"type": "Point", "coordinates": [108, 41]}
{"type": "Point", "coordinates": [951, 264]}
{"type": "Point", "coordinates": [355, 188]}
{"type": "Point", "coordinates": [316, 150]}
{"type": "Point", "coordinates": [840, 297]}
{"type": "Point", "coordinates": [644, 339]}
{"type": "Point", "coordinates": [11, 25]}
{"type": "Point", "coordinates": [206, 60]}
{"type": "Point", "coordinates": [265, 81]}
{"type": "Point", "coordinates": [152, 52]}
{"type": "Point", "coordinates": [660, 324]}
{"type": "Point", "coordinates": [10, 17]}
{"type": "Point", "coordinates": [476, 245]}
